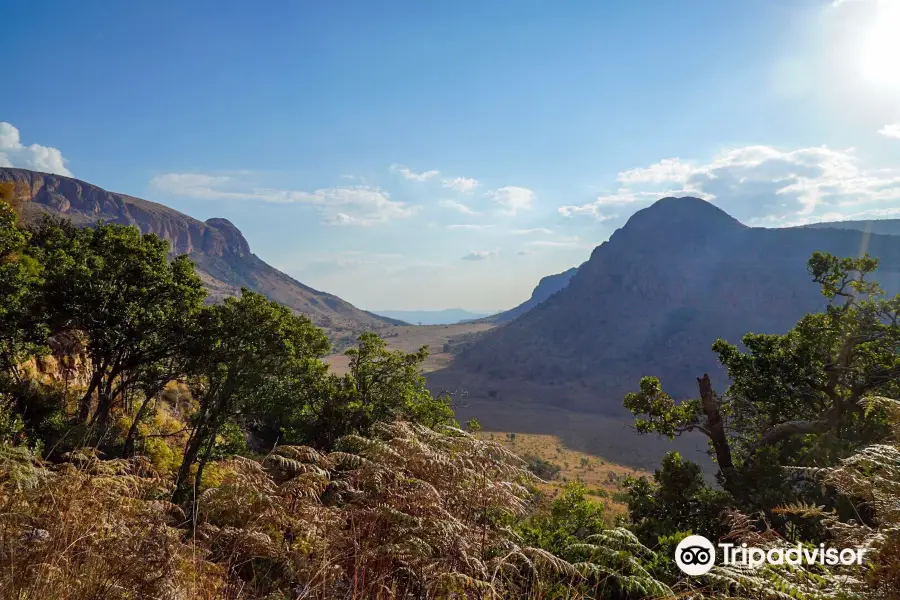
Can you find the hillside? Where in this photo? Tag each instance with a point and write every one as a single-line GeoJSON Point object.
{"type": "Point", "coordinates": [221, 252]}
{"type": "Point", "coordinates": [545, 288]}
{"type": "Point", "coordinates": [652, 300]}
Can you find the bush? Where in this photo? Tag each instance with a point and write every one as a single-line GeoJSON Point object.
{"type": "Point", "coordinates": [544, 469]}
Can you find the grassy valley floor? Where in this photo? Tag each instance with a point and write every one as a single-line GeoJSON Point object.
{"type": "Point", "coordinates": [603, 479]}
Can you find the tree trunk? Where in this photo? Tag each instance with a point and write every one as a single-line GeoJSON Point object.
{"type": "Point", "coordinates": [204, 458]}
{"type": "Point", "coordinates": [84, 405]}
{"type": "Point", "coordinates": [190, 456]}
{"type": "Point", "coordinates": [716, 427]}
{"type": "Point", "coordinates": [104, 404]}
{"type": "Point", "coordinates": [128, 449]}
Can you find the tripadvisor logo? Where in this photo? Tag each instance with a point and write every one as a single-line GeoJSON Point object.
{"type": "Point", "coordinates": [696, 555]}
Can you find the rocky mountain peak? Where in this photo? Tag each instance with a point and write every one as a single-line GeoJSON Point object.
{"type": "Point", "coordinates": [677, 218]}
{"type": "Point", "coordinates": [233, 238]}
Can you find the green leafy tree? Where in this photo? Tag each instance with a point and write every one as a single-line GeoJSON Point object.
{"type": "Point", "coordinates": [571, 519]}
{"type": "Point", "coordinates": [249, 353]}
{"type": "Point", "coordinates": [677, 499]}
{"type": "Point", "coordinates": [381, 385]}
{"type": "Point", "coordinates": [119, 289]}
{"type": "Point", "coordinates": [21, 330]}
{"type": "Point", "coordinates": [796, 398]}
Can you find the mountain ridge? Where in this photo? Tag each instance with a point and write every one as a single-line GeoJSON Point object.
{"type": "Point", "coordinates": [222, 254]}
{"type": "Point", "coordinates": [651, 301]}
{"type": "Point", "coordinates": [546, 287]}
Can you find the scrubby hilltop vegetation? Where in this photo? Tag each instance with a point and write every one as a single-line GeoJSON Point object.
{"type": "Point", "coordinates": [155, 446]}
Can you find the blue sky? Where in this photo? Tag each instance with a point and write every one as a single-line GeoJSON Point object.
{"type": "Point", "coordinates": [426, 155]}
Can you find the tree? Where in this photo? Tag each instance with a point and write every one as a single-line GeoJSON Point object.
{"type": "Point", "coordinates": [570, 519]}
{"type": "Point", "coordinates": [21, 330]}
{"type": "Point", "coordinates": [382, 385]}
{"type": "Point", "coordinates": [248, 354]}
{"type": "Point", "coordinates": [119, 289]}
{"type": "Point", "coordinates": [795, 398]}
{"type": "Point", "coordinates": [677, 499]}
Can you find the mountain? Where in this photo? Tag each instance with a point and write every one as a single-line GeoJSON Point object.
{"type": "Point", "coordinates": [883, 226]}
{"type": "Point", "coordinates": [546, 287]}
{"type": "Point", "coordinates": [221, 252]}
{"type": "Point", "coordinates": [448, 316]}
{"type": "Point", "coordinates": [651, 301]}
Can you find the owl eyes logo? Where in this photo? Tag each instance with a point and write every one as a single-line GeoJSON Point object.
{"type": "Point", "coordinates": [695, 555]}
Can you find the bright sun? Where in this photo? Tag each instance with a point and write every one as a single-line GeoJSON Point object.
{"type": "Point", "coordinates": [880, 52]}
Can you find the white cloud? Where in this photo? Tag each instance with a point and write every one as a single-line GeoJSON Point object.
{"type": "Point", "coordinates": [465, 185]}
{"type": "Point", "coordinates": [530, 231]}
{"type": "Point", "coordinates": [349, 205]}
{"type": "Point", "coordinates": [891, 131]}
{"type": "Point", "coordinates": [593, 209]}
{"type": "Point", "coordinates": [759, 184]}
{"type": "Point", "coordinates": [457, 206]}
{"type": "Point", "coordinates": [567, 243]}
{"type": "Point", "coordinates": [406, 173]}
{"type": "Point", "coordinates": [35, 157]}
{"type": "Point", "coordinates": [668, 169]}
{"type": "Point", "coordinates": [468, 227]}
{"type": "Point", "coordinates": [512, 199]}
{"type": "Point", "coordinates": [480, 255]}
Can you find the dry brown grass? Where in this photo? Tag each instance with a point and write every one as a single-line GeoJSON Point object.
{"type": "Point", "coordinates": [409, 338]}
{"type": "Point", "coordinates": [595, 472]}
{"type": "Point", "coordinates": [408, 513]}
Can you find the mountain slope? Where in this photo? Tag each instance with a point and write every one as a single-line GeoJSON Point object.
{"type": "Point", "coordinates": [651, 301]}
{"type": "Point", "coordinates": [222, 255]}
{"type": "Point", "coordinates": [545, 288]}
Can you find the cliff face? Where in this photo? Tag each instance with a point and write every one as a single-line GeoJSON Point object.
{"type": "Point", "coordinates": [651, 301]}
{"type": "Point", "coordinates": [221, 252]}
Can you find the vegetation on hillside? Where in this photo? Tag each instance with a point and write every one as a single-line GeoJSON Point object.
{"type": "Point", "coordinates": [155, 446]}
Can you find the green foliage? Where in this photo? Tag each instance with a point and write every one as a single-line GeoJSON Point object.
{"type": "Point", "coordinates": [570, 519]}
{"type": "Point", "coordinates": [545, 469]}
{"type": "Point", "coordinates": [249, 357]}
{"type": "Point", "coordinates": [118, 288]}
{"type": "Point", "coordinates": [795, 398]}
{"type": "Point", "coordinates": [676, 500]}
{"type": "Point", "coordinates": [382, 385]}
{"type": "Point", "coordinates": [662, 414]}
{"type": "Point", "coordinates": [22, 331]}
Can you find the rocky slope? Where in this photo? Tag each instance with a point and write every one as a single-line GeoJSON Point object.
{"type": "Point", "coordinates": [651, 301]}
{"type": "Point", "coordinates": [222, 255]}
{"type": "Point", "coordinates": [545, 288]}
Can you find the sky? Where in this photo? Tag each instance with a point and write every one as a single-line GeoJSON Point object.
{"type": "Point", "coordinates": [425, 155]}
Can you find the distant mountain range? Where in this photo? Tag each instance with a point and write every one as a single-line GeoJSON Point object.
{"type": "Point", "coordinates": [883, 227]}
{"type": "Point", "coordinates": [448, 316]}
{"type": "Point", "coordinates": [651, 301]}
{"type": "Point", "coordinates": [222, 255]}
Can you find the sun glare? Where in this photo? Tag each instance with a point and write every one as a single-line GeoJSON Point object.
{"type": "Point", "coordinates": [880, 54]}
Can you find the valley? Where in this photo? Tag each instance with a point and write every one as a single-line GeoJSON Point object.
{"type": "Point", "coordinates": [450, 300]}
